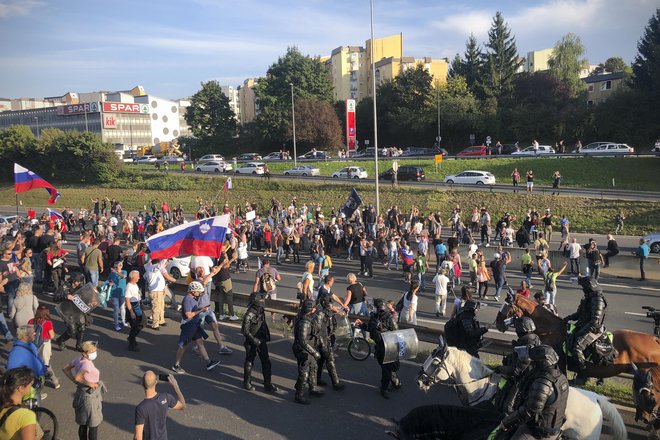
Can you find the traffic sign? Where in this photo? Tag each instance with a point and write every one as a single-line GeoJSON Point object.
{"type": "Point", "coordinates": [438, 158]}
{"type": "Point", "coordinates": [395, 166]}
{"type": "Point", "coordinates": [488, 139]}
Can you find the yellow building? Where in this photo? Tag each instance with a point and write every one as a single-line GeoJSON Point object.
{"type": "Point", "coordinates": [389, 68]}
{"type": "Point", "coordinates": [386, 47]}
{"type": "Point", "coordinates": [601, 87]}
{"type": "Point", "coordinates": [537, 60]}
{"type": "Point", "coordinates": [348, 75]}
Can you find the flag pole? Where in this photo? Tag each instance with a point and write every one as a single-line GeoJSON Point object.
{"type": "Point", "coordinates": [16, 206]}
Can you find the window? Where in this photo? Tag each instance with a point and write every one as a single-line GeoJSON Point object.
{"type": "Point", "coordinates": [590, 102]}
{"type": "Point", "coordinates": [606, 85]}
{"type": "Point", "coordinates": [590, 88]}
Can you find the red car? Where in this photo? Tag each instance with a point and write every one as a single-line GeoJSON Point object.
{"type": "Point", "coordinates": [477, 150]}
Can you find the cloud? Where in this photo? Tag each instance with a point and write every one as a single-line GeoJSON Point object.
{"type": "Point", "coordinates": [9, 8]}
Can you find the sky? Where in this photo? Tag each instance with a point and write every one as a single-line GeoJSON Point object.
{"type": "Point", "coordinates": [50, 47]}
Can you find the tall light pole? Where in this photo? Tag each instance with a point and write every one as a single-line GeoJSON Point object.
{"type": "Point", "coordinates": [373, 90]}
{"type": "Point", "coordinates": [293, 117]}
{"type": "Point", "coordinates": [437, 95]}
{"type": "Point", "coordinates": [36, 119]}
{"type": "Point", "coordinates": [86, 125]}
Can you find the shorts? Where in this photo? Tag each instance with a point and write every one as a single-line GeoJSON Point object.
{"type": "Point", "coordinates": [271, 295]}
{"type": "Point", "coordinates": [530, 184]}
{"type": "Point", "coordinates": [208, 317]}
{"type": "Point", "coordinates": [191, 331]}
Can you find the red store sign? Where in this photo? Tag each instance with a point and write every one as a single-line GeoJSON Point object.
{"type": "Point", "coordinates": [125, 107]}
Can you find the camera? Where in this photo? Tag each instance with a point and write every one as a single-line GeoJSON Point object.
{"type": "Point", "coordinates": [164, 377]}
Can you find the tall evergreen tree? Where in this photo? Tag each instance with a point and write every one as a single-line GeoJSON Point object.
{"type": "Point", "coordinates": [501, 60]}
{"type": "Point", "coordinates": [646, 67]}
{"type": "Point", "coordinates": [566, 62]}
{"type": "Point", "coordinates": [470, 66]}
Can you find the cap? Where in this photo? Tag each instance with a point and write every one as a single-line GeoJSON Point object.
{"type": "Point", "coordinates": [496, 256]}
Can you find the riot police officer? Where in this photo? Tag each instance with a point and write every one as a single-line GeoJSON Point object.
{"type": "Point", "coordinates": [542, 413]}
{"type": "Point", "coordinates": [590, 317]}
{"type": "Point", "coordinates": [304, 348]}
{"type": "Point", "coordinates": [257, 335]}
{"type": "Point", "coordinates": [74, 318]}
{"type": "Point", "coordinates": [381, 320]}
{"type": "Point", "coordinates": [324, 325]}
{"type": "Point", "coordinates": [469, 330]}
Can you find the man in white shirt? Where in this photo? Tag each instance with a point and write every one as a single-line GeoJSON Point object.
{"type": "Point", "coordinates": [155, 273]}
{"type": "Point", "coordinates": [574, 254]}
{"type": "Point", "coordinates": [207, 264]}
{"type": "Point", "coordinates": [441, 281]}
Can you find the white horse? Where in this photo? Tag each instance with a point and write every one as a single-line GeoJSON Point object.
{"type": "Point", "coordinates": [476, 383]}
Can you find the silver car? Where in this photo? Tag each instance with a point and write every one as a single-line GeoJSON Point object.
{"type": "Point", "coordinates": [653, 240]}
{"type": "Point", "coordinates": [303, 170]}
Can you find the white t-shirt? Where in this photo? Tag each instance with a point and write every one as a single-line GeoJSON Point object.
{"type": "Point", "coordinates": [471, 250]}
{"type": "Point", "coordinates": [132, 292]}
{"type": "Point", "coordinates": [154, 276]}
{"type": "Point", "coordinates": [574, 249]}
{"type": "Point", "coordinates": [205, 262]}
{"type": "Point", "coordinates": [441, 282]}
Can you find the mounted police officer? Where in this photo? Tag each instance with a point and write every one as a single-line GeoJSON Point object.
{"type": "Point", "coordinates": [257, 335]}
{"type": "Point", "coordinates": [470, 332]}
{"type": "Point", "coordinates": [590, 317]}
{"type": "Point", "coordinates": [304, 348]}
{"type": "Point", "coordinates": [542, 413]}
{"type": "Point", "coordinates": [381, 320]}
{"type": "Point", "coordinates": [74, 318]}
{"type": "Point", "coordinates": [324, 324]}
{"type": "Point", "coordinates": [516, 364]}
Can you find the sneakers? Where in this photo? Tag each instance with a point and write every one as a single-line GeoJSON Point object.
{"type": "Point", "coordinates": [117, 328]}
{"type": "Point", "coordinates": [177, 369]}
{"type": "Point", "coordinates": [212, 364]}
{"type": "Point", "coordinates": [497, 298]}
{"type": "Point", "coordinates": [234, 318]}
{"type": "Point", "coordinates": [43, 396]}
{"type": "Point", "coordinates": [222, 317]}
{"type": "Point", "coordinates": [225, 350]}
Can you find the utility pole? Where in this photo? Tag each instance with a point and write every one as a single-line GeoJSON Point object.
{"type": "Point", "coordinates": [373, 90]}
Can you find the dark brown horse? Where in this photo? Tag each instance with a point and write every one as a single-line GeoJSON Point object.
{"type": "Point", "coordinates": [646, 392]}
{"type": "Point", "coordinates": [641, 348]}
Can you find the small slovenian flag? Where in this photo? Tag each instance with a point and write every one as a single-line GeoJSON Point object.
{"type": "Point", "coordinates": [26, 180]}
{"type": "Point", "coordinates": [54, 215]}
{"type": "Point", "coordinates": [203, 238]}
{"type": "Point", "coordinates": [228, 185]}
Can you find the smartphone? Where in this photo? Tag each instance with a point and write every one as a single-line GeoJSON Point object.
{"type": "Point", "coordinates": [164, 377]}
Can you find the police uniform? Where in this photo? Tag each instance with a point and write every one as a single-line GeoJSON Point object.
{"type": "Point", "coordinates": [304, 348]}
{"type": "Point", "coordinates": [256, 333]}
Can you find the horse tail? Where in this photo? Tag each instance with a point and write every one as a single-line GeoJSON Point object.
{"type": "Point", "coordinates": [610, 413]}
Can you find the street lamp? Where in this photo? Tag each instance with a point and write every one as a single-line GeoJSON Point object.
{"type": "Point", "coordinates": [373, 90]}
{"type": "Point", "coordinates": [293, 117]}
{"type": "Point", "coordinates": [36, 119]}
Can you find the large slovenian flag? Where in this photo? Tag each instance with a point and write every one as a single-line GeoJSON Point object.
{"type": "Point", "coordinates": [26, 180]}
{"type": "Point", "coordinates": [54, 215]}
{"type": "Point", "coordinates": [203, 238]}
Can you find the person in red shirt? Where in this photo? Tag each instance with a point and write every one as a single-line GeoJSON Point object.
{"type": "Point", "coordinates": [56, 260]}
{"type": "Point", "coordinates": [524, 291]}
{"type": "Point", "coordinates": [42, 318]}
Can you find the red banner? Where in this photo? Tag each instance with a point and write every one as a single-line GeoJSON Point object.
{"type": "Point", "coordinates": [125, 107]}
{"type": "Point", "coordinates": [350, 125]}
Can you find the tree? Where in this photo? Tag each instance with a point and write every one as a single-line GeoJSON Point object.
{"type": "Point", "coordinates": [310, 81]}
{"type": "Point", "coordinates": [613, 64]}
{"type": "Point", "coordinates": [470, 66]}
{"type": "Point", "coordinates": [16, 143]}
{"type": "Point", "coordinates": [460, 115]}
{"type": "Point", "coordinates": [501, 60]}
{"type": "Point", "coordinates": [317, 124]}
{"type": "Point", "coordinates": [566, 62]}
{"type": "Point", "coordinates": [210, 118]}
{"type": "Point", "coordinates": [646, 66]}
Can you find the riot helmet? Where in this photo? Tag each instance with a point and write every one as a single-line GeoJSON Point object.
{"type": "Point", "coordinates": [470, 306]}
{"type": "Point", "coordinates": [524, 326]}
{"type": "Point", "coordinates": [307, 306]}
{"type": "Point", "coordinates": [543, 356]}
{"type": "Point", "coordinates": [380, 305]}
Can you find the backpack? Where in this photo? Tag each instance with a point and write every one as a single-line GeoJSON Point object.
{"type": "Point", "coordinates": [267, 282]}
{"type": "Point", "coordinates": [451, 332]}
{"type": "Point", "coordinates": [38, 334]}
{"type": "Point", "coordinates": [399, 305]}
{"type": "Point", "coordinates": [327, 262]}
{"type": "Point", "coordinates": [549, 285]}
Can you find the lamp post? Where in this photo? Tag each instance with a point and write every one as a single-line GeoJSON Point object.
{"type": "Point", "coordinates": [36, 119]}
{"type": "Point", "coordinates": [437, 95]}
{"type": "Point", "coordinates": [293, 117]}
{"type": "Point", "coordinates": [373, 90]}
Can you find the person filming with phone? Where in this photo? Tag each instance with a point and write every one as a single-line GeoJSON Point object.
{"type": "Point", "coordinates": [151, 413]}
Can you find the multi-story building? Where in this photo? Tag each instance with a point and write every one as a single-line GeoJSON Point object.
{"type": "Point", "coordinates": [346, 66]}
{"type": "Point", "coordinates": [537, 60]}
{"type": "Point", "coordinates": [234, 102]}
{"type": "Point", "coordinates": [389, 68]}
{"type": "Point", "coordinates": [248, 101]}
{"type": "Point", "coordinates": [601, 87]}
{"type": "Point", "coordinates": [391, 46]}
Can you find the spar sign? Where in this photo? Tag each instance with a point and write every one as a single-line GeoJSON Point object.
{"type": "Point", "coordinates": [350, 125]}
{"type": "Point", "coordinates": [78, 109]}
{"type": "Point", "coordinates": [125, 107]}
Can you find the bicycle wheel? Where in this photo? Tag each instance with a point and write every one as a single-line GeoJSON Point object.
{"type": "Point", "coordinates": [47, 421]}
{"type": "Point", "coordinates": [359, 349]}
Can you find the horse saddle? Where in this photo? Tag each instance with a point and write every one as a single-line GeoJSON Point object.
{"type": "Point", "coordinates": [602, 351]}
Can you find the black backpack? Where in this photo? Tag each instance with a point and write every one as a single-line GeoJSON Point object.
{"type": "Point", "coordinates": [452, 335]}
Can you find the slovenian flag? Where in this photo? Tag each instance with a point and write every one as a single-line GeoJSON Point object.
{"type": "Point", "coordinates": [228, 185]}
{"type": "Point", "coordinates": [26, 180]}
{"type": "Point", "coordinates": [54, 215]}
{"type": "Point", "coordinates": [203, 238]}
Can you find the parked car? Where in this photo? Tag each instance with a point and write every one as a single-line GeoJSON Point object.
{"type": "Point", "coordinates": [405, 172]}
{"type": "Point", "coordinates": [251, 168]}
{"type": "Point", "coordinates": [275, 155]}
{"type": "Point", "coordinates": [303, 170]}
{"type": "Point", "coordinates": [213, 167]}
{"type": "Point", "coordinates": [653, 240]}
{"type": "Point", "coordinates": [529, 151]}
{"type": "Point", "coordinates": [469, 177]}
{"type": "Point", "coordinates": [477, 150]}
{"type": "Point", "coordinates": [148, 159]}
{"type": "Point", "coordinates": [350, 173]}
{"type": "Point", "coordinates": [656, 147]}
{"type": "Point", "coordinates": [606, 149]}
{"type": "Point", "coordinates": [248, 156]}
{"type": "Point", "coordinates": [172, 159]}
{"type": "Point", "coordinates": [509, 148]}
{"type": "Point", "coordinates": [418, 151]}
{"type": "Point", "coordinates": [179, 267]}
{"type": "Point", "coordinates": [6, 219]}
{"type": "Point", "coordinates": [322, 155]}
{"type": "Point", "coordinates": [211, 158]}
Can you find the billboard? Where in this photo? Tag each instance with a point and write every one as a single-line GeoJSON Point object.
{"type": "Point", "coordinates": [109, 121]}
{"type": "Point", "coordinates": [78, 109]}
{"type": "Point", "coordinates": [350, 125]}
{"type": "Point", "coordinates": [125, 107]}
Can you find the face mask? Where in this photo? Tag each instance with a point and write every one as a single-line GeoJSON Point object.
{"type": "Point", "coordinates": [93, 356]}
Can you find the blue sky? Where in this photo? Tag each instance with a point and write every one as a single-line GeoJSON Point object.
{"type": "Point", "coordinates": [49, 47]}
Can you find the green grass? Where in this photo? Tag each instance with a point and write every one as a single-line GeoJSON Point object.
{"type": "Point", "coordinates": [136, 191]}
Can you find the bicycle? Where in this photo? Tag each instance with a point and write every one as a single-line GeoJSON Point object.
{"type": "Point", "coordinates": [349, 335]}
{"type": "Point", "coordinates": [45, 417]}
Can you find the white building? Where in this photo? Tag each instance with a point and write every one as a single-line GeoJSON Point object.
{"type": "Point", "coordinates": [234, 102]}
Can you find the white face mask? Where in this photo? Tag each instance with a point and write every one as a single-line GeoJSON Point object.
{"type": "Point", "coordinates": [92, 356]}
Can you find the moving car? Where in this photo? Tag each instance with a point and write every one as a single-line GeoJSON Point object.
{"type": "Point", "coordinates": [213, 167]}
{"type": "Point", "coordinates": [6, 219]}
{"type": "Point", "coordinates": [417, 151]}
{"type": "Point", "coordinates": [251, 168]}
{"type": "Point", "coordinates": [211, 158]}
{"type": "Point", "coordinates": [469, 177]}
{"type": "Point", "coordinates": [350, 173]}
{"type": "Point", "coordinates": [303, 170]}
{"type": "Point", "coordinates": [477, 150]}
{"type": "Point", "coordinates": [315, 155]}
{"type": "Point", "coordinates": [653, 240]}
{"type": "Point", "coordinates": [172, 159]}
{"type": "Point", "coordinates": [606, 149]}
{"type": "Point", "coordinates": [248, 156]}
{"type": "Point", "coordinates": [179, 267]}
{"type": "Point", "coordinates": [406, 172]}
{"type": "Point", "coordinates": [529, 151]}
{"type": "Point", "coordinates": [275, 155]}
{"type": "Point", "coordinates": [148, 159]}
